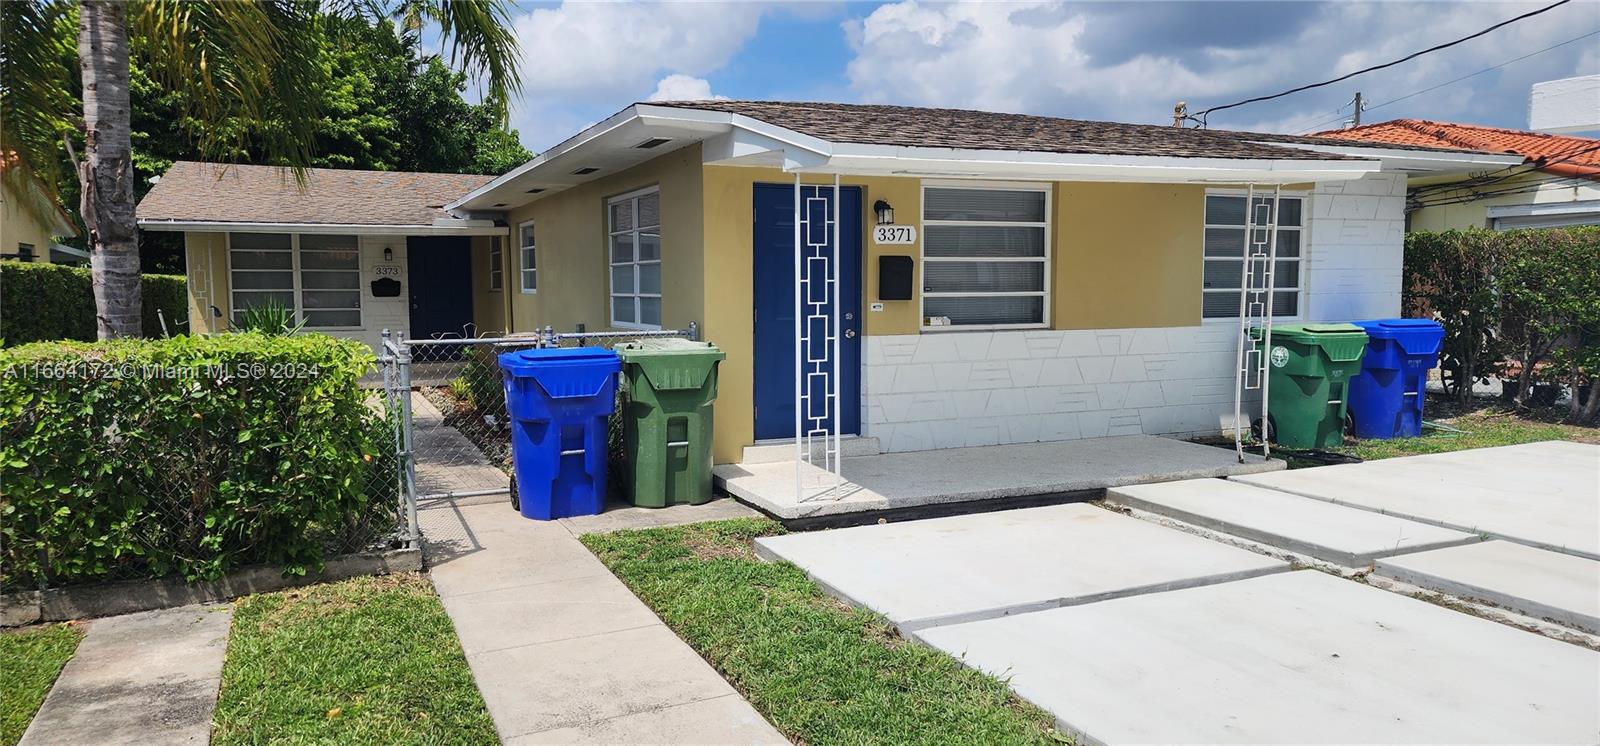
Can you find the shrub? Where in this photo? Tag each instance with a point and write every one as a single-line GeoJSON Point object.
{"type": "Point", "coordinates": [41, 302]}
{"type": "Point", "coordinates": [188, 456]}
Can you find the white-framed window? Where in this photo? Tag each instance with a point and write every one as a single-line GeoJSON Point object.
{"type": "Point", "coordinates": [528, 258]}
{"type": "Point", "coordinates": [497, 267]}
{"type": "Point", "coordinates": [1224, 255]}
{"type": "Point", "coordinates": [634, 248]}
{"type": "Point", "coordinates": [316, 276]}
{"type": "Point", "coordinates": [985, 256]}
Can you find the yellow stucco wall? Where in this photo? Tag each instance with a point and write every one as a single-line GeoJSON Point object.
{"type": "Point", "coordinates": [1476, 214]}
{"type": "Point", "coordinates": [1126, 255]}
{"type": "Point", "coordinates": [18, 225]}
{"type": "Point", "coordinates": [206, 266]}
{"type": "Point", "coordinates": [573, 266]}
{"type": "Point", "coordinates": [488, 306]}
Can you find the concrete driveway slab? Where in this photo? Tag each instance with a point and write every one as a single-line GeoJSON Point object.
{"type": "Point", "coordinates": [1548, 585]}
{"type": "Point", "coordinates": [1541, 494]}
{"type": "Point", "coordinates": [962, 568]}
{"type": "Point", "coordinates": [1335, 533]}
{"type": "Point", "coordinates": [1300, 657]}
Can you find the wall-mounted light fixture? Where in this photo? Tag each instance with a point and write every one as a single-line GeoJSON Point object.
{"type": "Point", "coordinates": [388, 254]}
{"type": "Point", "coordinates": [885, 212]}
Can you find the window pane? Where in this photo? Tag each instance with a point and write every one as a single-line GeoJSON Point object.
{"type": "Point", "coordinates": [330, 280]}
{"type": "Point", "coordinates": [278, 241]}
{"type": "Point", "coordinates": [1288, 212]}
{"type": "Point", "coordinates": [1224, 210]}
{"type": "Point", "coordinates": [984, 204]}
{"type": "Point", "coordinates": [530, 279]}
{"type": "Point", "coordinates": [650, 311]}
{"type": "Point", "coordinates": [622, 309]}
{"type": "Point", "coordinates": [649, 247]}
{"type": "Point", "coordinates": [1222, 273]}
{"type": "Point", "coordinates": [333, 318]}
{"type": "Point", "coordinates": [525, 235]}
{"type": "Point", "coordinates": [622, 248]}
{"type": "Point", "coordinates": [622, 279]}
{"type": "Point", "coordinates": [650, 210]}
{"type": "Point", "coordinates": [650, 278]}
{"type": "Point", "coordinates": [330, 299]}
{"type": "Point", "coordinates": [1287, 274]}
{"type": "Point", "coordinates": [317, 242]}
{"type": "Point", "coordinates": [1288, 243]}
{"type": "Point", "coordinates": [982, 277]}
{"type": "Point", "coordinates": [982, 240]}
{"type": "Point", "coordinates": [530, 258]}
{"type": "Point", "coordinates": [262, 259]}
{"type": "Point", "coordinates": [621, 215]}
{"type": "Point", "coordinates": [330, 259]}
{"type": "Point", "coordinates": [1220, 305]}
{"type": "Point", "coordinates": [1285, 304]}
{"type": "Point", "coordinates": [254, 299]}
{"type": "Point", "coordinates": [1225, 242]}
{"type": "Point", "coordinates": [987, 310]}
{"type": "Point", "coordinates": [263, 280]}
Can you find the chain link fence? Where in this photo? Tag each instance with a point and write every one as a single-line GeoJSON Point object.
{"type": "Point", "coordinates": [454, 438]}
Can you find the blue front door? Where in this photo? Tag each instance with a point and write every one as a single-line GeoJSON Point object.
{"type": "Point", "coordinates": [775, 309]}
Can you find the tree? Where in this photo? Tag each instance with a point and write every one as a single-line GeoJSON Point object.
{"type": "Point", "coordinates": [243, 75]}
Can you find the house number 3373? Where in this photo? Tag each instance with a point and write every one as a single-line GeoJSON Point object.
{"type": "Point", "coordinates": [894, 234]}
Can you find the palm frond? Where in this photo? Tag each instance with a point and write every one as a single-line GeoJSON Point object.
{"type": "Point", "coordinates": [479, 38]}
{"type": "Point", "coordinates": [36, 101]}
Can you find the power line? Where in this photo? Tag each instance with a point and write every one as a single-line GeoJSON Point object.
{"type": "Point", "coordinates": [1432, 88]}
{"type": "Point", "coordinates": [1506, 172]}
{"type": "Point", "coordinates": [1202, 115]}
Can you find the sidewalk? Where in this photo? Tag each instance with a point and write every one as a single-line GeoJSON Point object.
{"type": "Point", "coordinates": [146, 678]}
{"type": "Point", "coordinates": [562, 651]}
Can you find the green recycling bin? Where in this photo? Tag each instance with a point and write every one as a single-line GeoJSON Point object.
{"type": "Point", "coordinates": [669, 385]}
{"type": "Point", "coordinates": [1309, 368]}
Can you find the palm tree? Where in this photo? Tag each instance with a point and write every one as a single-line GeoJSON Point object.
{"type": "Point", "coordinates": [230, 61]}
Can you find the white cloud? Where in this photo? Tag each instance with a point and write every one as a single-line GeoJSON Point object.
{"type": "Point", "coordinates": [1050, 58]}
{"type": "Point", "coordinates": [680, 87]}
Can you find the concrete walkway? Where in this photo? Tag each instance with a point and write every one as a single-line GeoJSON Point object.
{"type": "Point", "coordinates": [147, 678]}
{"type": "Point", "coordinates": [562, 651]}
{"type": "Point", "coordinates": [446, 461]}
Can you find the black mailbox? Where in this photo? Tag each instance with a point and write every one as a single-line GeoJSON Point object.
{"type": "Point", "coordinates": [386, 287]}
{"type": "Point", "coordinates": [894, 277]}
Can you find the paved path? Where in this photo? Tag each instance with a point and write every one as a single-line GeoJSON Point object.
{"type": "Point", "coordinates": [561, 649]}
{"type": "Point", "coordinates": [147, 678]}
{"type": "Point", "coordinates": [446, 460]}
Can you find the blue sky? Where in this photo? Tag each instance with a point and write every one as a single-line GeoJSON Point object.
{"type": "Point", "coordinates": [1120, 61]}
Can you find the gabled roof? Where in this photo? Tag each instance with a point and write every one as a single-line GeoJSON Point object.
{"type": "Point", "coordinates": [1562, 154]}
{"type": "Point", "coordinates": [909, 126]}
{"type": "Point", "coordinates": [192, 192]}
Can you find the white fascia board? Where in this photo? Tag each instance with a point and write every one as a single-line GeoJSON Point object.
{"type": "Point", "coordinates": [1438, 160]}
{"type": "Point", "coordinates": [572, 143]}
{"type": "Point", "coordinates": [1581, 207]}
{"type": "Point", "coordinates": [476, 229]}
{"type": "Point", "coordinates": [979, 164]}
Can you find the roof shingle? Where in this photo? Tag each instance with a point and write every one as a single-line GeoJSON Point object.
{"type": "Point", "coordinates": [210, 192]}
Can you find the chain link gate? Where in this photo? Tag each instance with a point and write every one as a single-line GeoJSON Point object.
{"type": "Point", "coordinates": [452, 436]}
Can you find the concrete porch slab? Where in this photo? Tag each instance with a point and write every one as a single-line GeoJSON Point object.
{"type": "Point", "coordinates": [963, 568]}
{"type": "Point", "coordinates": [1335, 533]}
{"type": "Point", "coordinates": [1539, 583]}
{"type": "Point", "coordinates": [1293, 657]}
{"type": "Point", "coordinates": [956, 475]}
{"type": "Point", "coordinates": [1541, 494]}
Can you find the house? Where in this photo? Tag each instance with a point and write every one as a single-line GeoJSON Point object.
{"type": "Point", "coordinates": [31, 220]}
{"type": "Point", "coordinates": [969, 277]}
{"type": "Point", "coordinates": [1557, 184]}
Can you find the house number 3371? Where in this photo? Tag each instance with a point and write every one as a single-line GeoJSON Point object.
{"type": "Point", "coordinates": [894, 234]}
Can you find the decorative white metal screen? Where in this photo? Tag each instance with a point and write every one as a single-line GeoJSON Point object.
{"type": "Point", "coordinates": [816, 333]}
{"type": "Point", "coordinates": [1256, 285]}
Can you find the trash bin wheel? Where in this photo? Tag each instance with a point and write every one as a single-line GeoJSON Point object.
{"type": "Point", "coordinates": [1271, 433]}
{"type": "Point", "coordinates": [516, 502]}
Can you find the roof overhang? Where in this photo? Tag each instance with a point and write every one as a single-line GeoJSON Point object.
{"type": "Point", "coordinates": [734, 139]}
{"type": "Point", "coordinates": [1412, 161]}
{"type": "Point", "coordinates": [438, 228]}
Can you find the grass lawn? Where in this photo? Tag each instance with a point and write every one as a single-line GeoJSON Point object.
{"type": "Point", "coordinates": [30, 660]}
{"type": "Point", "coordinates": [821, 671]}
{"type": "Point", "coordinates": [1483, 426]}
{"type": "Point", "coordinates": [371, 660]}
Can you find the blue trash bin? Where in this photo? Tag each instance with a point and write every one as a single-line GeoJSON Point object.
{"type": "Point", "coordinates": [558, 401]}
{"type": "Point", "coordinates": [1386, 396]}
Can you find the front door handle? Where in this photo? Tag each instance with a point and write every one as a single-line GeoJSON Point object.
{"type": "Point", "coordinates": [849, 334]}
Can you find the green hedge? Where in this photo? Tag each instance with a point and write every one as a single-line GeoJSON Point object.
{"type": "Point", "coordinates": [1530, 298]}
{"type": "Point", "coordinates": [47, 302]}
{"type": "Point", "coordinates": [188, 456]}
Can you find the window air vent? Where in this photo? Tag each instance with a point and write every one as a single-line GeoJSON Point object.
{"type": "Point", "coordinates": [536, 190]}
{"type": "Point", "coordinates": [653, 142]}
{"type": "Point", "coordinates": [585, 170]}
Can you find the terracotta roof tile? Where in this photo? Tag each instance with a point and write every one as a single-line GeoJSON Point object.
{"type": "Point", "coordinates": [1578, 156]}
{"type": "Point", "coordinates": [193, 191]}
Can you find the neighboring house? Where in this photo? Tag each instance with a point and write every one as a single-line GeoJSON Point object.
{"type": "Point", "coordinates": [1558, 183]}
{"type": "Point", "coordinates": [1044, 279]}
{"type": "Point", "coordinates": [31, 220]}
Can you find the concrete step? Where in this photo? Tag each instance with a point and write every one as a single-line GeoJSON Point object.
{"type": "Point", "coordinates": [774, 451]}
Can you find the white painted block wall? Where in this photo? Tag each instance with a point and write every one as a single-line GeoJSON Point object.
{"type": "Point", "coordinates": [955, 389]}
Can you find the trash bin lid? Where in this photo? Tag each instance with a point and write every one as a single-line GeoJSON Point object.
{"type": "Point", "coordinates": [564, 373]}
{"type": "Point", "coordinates": [519, 362]}
{"type": "Point", "coordinates": [1415, 336]}
{"type": "Point", "coordinates": [1340, 342]}
{"type": "Point", "coordinates": [672, 364]}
